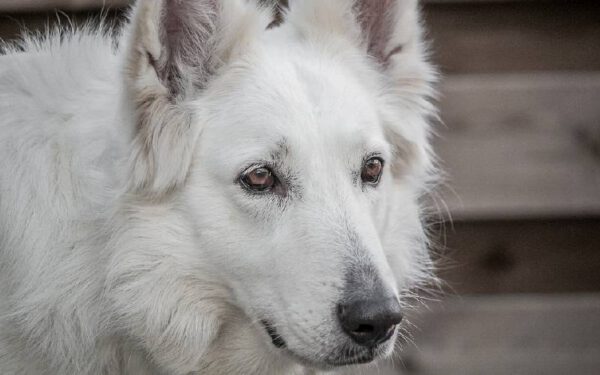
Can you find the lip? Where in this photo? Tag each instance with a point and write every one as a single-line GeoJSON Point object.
{"type": "Point", "coordinates": [331, 364]}
{"type": "Point", "coordinates": [349, 355]}
{"type": "Point", "coordinates": [276, 339]}
{"type": "Point", "coordinates": [367, 356]}
{"type": "Point", "coordinates": [388, 335]}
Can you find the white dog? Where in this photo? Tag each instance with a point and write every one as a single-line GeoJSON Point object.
{"type": "Point", "coordinates": [213, 193]}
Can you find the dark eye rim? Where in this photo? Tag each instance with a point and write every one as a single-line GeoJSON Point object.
{"type": "Point", "coordinates": [242, 179]}
{"type": "Point", "coordinates": [366, 161]}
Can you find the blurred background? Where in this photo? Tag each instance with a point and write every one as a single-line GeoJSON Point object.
{"type": "Point", "coordinates": [520, 144]}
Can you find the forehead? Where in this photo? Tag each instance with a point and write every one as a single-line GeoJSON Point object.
{"type": "Point", "coordinates": [294, 95]}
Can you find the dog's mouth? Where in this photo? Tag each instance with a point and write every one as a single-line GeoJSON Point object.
{"type": "Point", "coordinates": [276, 339]}
{"type": "Point", "coordinates": [353, 357]}
{"type": "Point", "coordinates": [347, 356]}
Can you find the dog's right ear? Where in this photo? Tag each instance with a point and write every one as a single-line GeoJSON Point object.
{"type": "Point", "coordinates": [175, 48]}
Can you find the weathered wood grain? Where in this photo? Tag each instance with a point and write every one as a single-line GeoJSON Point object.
{"type": "Point", "coordinates": [522, 145]}
{"type": "Point", "coordinates": [508, 335]}
{"type": "Point", "coordinates": [514, 36]}
{"type": "Point", "coordinates": [521, 256]}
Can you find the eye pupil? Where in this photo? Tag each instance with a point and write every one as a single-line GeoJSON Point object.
{"type": "Point", "coordinates": [372, 171]}
{"type": "Point", "coordinates": [258, 179]}
{"type": "Point", "coordinates": [261, 173]}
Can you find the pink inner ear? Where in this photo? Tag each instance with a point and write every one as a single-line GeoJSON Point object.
{"type": "Point", "coordinates": [376, 19]}
{"type": "Point", "coordinates": [187, 28]}
{"type": "Point", "coordinates": [172, 17]}
{"type": "Point", "coordinates": [181, 16]}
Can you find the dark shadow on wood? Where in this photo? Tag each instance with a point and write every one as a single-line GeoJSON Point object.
{"type": "Point", "coordinates": [522, 256]}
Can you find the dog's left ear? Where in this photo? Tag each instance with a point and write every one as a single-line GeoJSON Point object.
{"type": "Point", "coordinates": [390, 33]}
{"type": "Point", "coordinates": [176, 48]}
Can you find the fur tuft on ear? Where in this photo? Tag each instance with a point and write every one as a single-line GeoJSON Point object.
{"type": "Point", "coordinates": [175, 49]}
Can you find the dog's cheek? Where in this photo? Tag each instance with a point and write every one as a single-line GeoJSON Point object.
{"type": "Point", "coordinates": [156, 296]}
{"type": "Point", "coordinates": [405, 243]}
{"type": "Point", "coordinates": [173, 333]}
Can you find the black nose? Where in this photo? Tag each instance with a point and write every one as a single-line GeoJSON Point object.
{"type": "Point", "coordinates": [370, 322]}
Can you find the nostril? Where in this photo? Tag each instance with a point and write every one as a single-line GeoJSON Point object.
{"type": "Point", "coordinates": [364, 328]}
{"type": "Point", "coordinates": [370, 322]}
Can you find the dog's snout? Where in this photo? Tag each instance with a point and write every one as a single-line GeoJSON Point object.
{"type": "Point", "coordinates": [370, 322]}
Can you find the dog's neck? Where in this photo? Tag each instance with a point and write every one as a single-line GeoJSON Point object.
{"type": "Point", "coordinates": [235, 346]}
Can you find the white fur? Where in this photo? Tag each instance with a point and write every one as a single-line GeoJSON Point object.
{"type": "Point", "coordinates": [126, 244]}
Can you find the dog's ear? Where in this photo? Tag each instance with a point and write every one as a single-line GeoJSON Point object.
{"type": "Point", "coordinates": [175, 49]}
{"type": "Point", "coordinates": [388, 30]}
{"type": "Point", "coordinates": [390, 33]}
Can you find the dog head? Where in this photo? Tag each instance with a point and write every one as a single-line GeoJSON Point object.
{"type": "Point", "coordinates": [295, 155]}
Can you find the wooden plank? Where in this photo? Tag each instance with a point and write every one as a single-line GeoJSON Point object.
{"type": "Point", "coordinates": [509, 36]}
{"type": "Point", "coordinates": [507, 335]}
{"type": "Point", "coordinates": [521, 145]}
{"type": "Point", "coordinates": [520, 256]}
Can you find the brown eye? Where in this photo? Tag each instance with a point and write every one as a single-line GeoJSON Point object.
{"type": "Point", "coordinates": [371, 172]}
{"type": "Point", "coordinates": [259, 179]}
